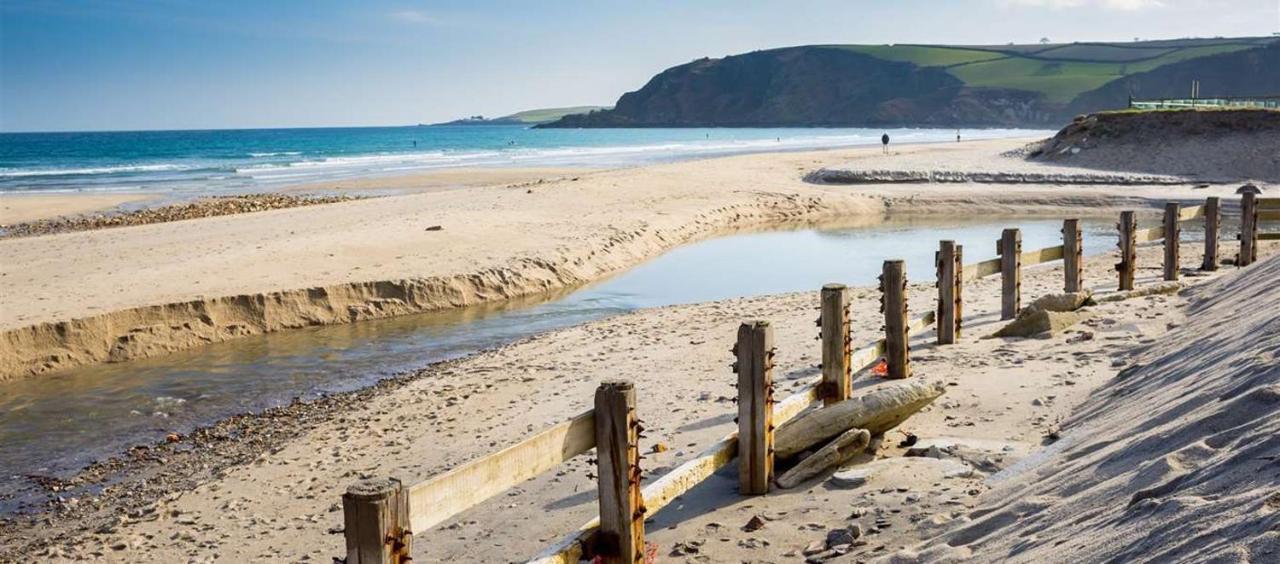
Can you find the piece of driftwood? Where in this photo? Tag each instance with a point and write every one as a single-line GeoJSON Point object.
{"type": "Point", "coordinates": [881, 408]}
{"type": "Point", "coordinates": [844, 447]}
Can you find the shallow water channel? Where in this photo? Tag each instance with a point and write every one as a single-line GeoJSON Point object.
{"type": "Point", "coordinates": [54, 425]}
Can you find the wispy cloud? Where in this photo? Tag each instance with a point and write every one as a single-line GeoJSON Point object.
{"type": "Point", "coordinates": [1114, 5]}
{"type": "Point", "coordinates": [413, 17]}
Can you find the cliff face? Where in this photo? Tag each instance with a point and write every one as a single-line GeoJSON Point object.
{"type": "Point", "coordinates": [809, 86]}
{"type": "Point", "coordinates": [834, 86]}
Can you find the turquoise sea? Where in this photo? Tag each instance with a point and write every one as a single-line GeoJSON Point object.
{"type": "Point", "coordinates": [244, 160]}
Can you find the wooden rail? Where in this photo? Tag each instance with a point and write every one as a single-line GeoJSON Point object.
{"type": "Point", "coordinates": [381, 515]}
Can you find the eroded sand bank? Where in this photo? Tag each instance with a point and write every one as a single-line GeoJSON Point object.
{"type": "Point", "coordinates": [119, 294]}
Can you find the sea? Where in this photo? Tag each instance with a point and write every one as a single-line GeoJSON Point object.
{"type": "Point", "coordinates": [229, 161]}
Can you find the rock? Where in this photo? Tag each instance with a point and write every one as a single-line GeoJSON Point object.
{"type": "Point", "coordinates": [1061, 302]}
{"type": "Point", "coordinates": [435, 228]}
{"type": "Point", "coordinates": [1035, 321]}
{"type": "Point", "coordinates": [755, 524]}
{"type": "Point", "coordinates": [814, 547]}
{"type": "Point", "coordinates": [851, 478]}
{"type": "Point", "coordinates": [659, 447]}
{"type": "Point", "coordinates": [844, 535]}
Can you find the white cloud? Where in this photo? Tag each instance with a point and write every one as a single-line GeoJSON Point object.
{"type": "Point", "coordinates": [412, 17]}
{"type": "Point", "coordinates": [1114, 5]}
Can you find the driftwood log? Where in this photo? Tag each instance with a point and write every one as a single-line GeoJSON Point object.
{"type": "Point", "coordinates": [881, 408]}
{"type": "Point", "coordinates": [834, 453]}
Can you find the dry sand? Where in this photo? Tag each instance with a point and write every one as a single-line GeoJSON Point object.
{"type": "Point", "coordinates": [445, 179]}
{"type": "Point", "coordinates": [1004, 396]}
{"type": "Point", "coordinates": [19, 208]}
{"type": "Point", "coordinates": [134, 292]}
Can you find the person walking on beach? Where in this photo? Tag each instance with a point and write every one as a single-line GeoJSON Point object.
{"type": "Point", "coordinates": [884, 143]}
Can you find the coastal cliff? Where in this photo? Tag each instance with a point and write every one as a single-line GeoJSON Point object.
{"type": "Point", "coordinates": [939, 86]}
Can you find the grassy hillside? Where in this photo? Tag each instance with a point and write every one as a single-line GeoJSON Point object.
{"type": "Point", "coordinates": [1059, 71]}
{"type": "Point", "coordinates": [937, 85]}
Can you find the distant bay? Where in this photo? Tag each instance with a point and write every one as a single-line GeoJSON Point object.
{"type": "Point", "coordinates": [248, 160]}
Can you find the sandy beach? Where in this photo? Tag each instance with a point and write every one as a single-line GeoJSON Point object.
{"type": "Point", "coordinates": [274, 496]}
{"type": "Point", "coordinates": [19, 208]}
{"type": "Point", "coordinates": [119, 294]}
{"type": "Point", "coordinates": [267, 486]}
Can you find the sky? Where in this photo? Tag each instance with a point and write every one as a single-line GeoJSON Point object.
{"type": "Point", "coordinates": [196, 64]}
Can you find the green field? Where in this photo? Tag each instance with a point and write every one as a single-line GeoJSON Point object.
{"type": "Point", "coordinates": [1059, 71]}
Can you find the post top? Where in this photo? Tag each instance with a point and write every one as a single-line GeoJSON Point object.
{"type": "Point", "coordinates": [834, 286]}
{"type": "Point", "coordinates": [373, 488]}
{"type": "Point", "coordinates": [620, 385]}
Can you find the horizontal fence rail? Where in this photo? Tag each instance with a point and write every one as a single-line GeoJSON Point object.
{"type": "Point", "coordinates": [380, 515]}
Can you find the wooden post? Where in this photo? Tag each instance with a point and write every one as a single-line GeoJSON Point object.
{"type": "Point", "coordinates": [1072, 256]}
{"type": "Point", "coordinates": [1010, 250]}
{"type": "Point", "coordinates": [1248, 230]}
{"type": "Point", "coordinates": [893, 292]}
{"type": "Point", "coordinates": [1128, 250]}
{"type": "Point", "coordinates": [621, 538]}
{"type": "Point", "coordinates": [755, 407]}
{"type": "Point", "coordinates": [375, 514]}
{"type": "Point", "coordinates": [837, 345]}
{"type": "Point", "coordinates": [1171, 239]}
{"type": "Point", "coordinates": [1212, 223]}
{"type": "Point", "coordinates": [949, 287]}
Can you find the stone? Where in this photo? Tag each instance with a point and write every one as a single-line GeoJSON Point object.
{"type": "Point", "coordinates": [755, 524]}
{"type": "Point", "coordinates": [843, 536]}
{"type": "Point", "coordinates": [1034, 322]}
{"type": "Point", "coordinates": [849, 479]}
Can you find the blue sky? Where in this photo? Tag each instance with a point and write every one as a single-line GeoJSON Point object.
{"type": "Point", "coordinates": [177, 64]}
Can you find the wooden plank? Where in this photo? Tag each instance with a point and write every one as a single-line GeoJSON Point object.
{"type": "Point", "coordinates": [1268, 203]}
{"type": "Point", "coordinates": [1128, 250]}
{"type": "Point", "coordinates": [1010, 250]}
{"type": "Point", "coordinates": [621, 537]}
{"type": "Point", "coordinates": [948, 292]}
{"type": "Point", "coordinates": [1039, 256]}
{"type": "Point", "coordinates": [981, 269]}
{"type": "Point", "coordinates": [1172, 240]}
{"type": "Point", "coordinates": [837, 344]}
{"type": "Point", "coordinates": [1148, 235]}
{"type": "Point", "coordinates": [893, 288]}
{"type": "Point", "coordinates": [1212, 231]}
{"type": "Point", "coordinates": [1272, 215]}
{"type": "Point", "coordinates": [1269, 236]}
{"type": "Point", "coordinates": [661, 492]}
{"type": "Point", "coordinates": [1191, 212]}
{"type": "Point", "coordinates": [376, 528]}
{"type": "Point", "coordinates": [448, 494]}
{"type": "Point", "coordinates": [1072, 256]}
{"type": "Point", "coordinates": [1248, 230]}
{"type": "Point", "coordinates": [755, 407]}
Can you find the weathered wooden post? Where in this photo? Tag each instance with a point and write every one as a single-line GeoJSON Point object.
{"type": "Point", "coordinates": [1010, 251]}
{"type": "Point", "coordinates": [950, 285]}
{"type": "Point", "coordinates": [1072, 256]}
{"type": "Point", "coordinates": [755, 407]}
{"type": "Point", "coordinates": [1212, 223]}
{"type": "Point", "coordinates": [375, 515]}
{"type": "Point", "coordinates": [1248, 230]}
{"type": "Point", "coordinates": [621, 538]}
{"type": "Point", "coordinates": [1128, 250]}
{"type": "Point", "coordinates": [837, 344]}
{"type": "Point", "coordinates": [893, 301]}
{"type": "Point", "coordinates": [1171, 239]}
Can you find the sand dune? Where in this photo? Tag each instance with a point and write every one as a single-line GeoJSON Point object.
{"type": "Point", "coordinates": [1175, 459]}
